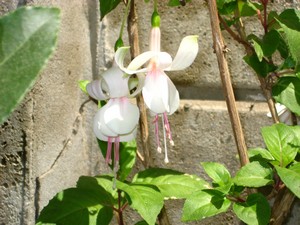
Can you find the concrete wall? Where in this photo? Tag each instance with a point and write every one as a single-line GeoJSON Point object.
{"type": "Point", "coordinates": [47, 143]}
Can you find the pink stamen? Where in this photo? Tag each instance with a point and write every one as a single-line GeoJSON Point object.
{"type": "Point", "coordinates": [108, 151]}
{"type": "Point", "coordinates": [155, 121]}
{"type": "Point", "coordinates": [116, 150]}
{"type": "Point", "coordinates": [168, 129]}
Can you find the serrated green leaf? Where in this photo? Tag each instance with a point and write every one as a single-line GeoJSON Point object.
{"type": "Point", "coordinates": [220, 175]}
{"type": "Point", "coordinates": [290, 177]}
{"type": "Point", "coordinates": [203, 204]}
{"type": "Point", "coordinates": [281, 142]}
{"type": "Point", "coordinates": [257, 154]}
{"type": "Point", "coordinates": [254, 174]}
{"type": "Point", "coordinates": [177, 2]}
{"type": "Point", "coordinates": [76, 206]}
{"type": "Point", "coordinates": [171, 183]}
{"type": "Point", "coordinates": [287, 92]}
{"type": "Point", "coordinates": [106, 6]}
{"type": "Point", "coordinates": [145, 199]}
{"type": "Point", "coordinates": [28, 38]}
{"type": "Point", "coordinates": [127, 157]}
{"type": "Point", "coordinates": [255, 211]}
{"type": "Point", "coordinates": [291, 35]}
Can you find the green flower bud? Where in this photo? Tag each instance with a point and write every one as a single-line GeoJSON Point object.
{"type": "Point", "coordinates": [119, 43]}
{"type": "Point", "coordinates": [155, 19]}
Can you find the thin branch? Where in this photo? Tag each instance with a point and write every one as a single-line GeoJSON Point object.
{"type": "Point", "coordinates": [233, 34]}
{"type": "Point", "coordinates": [135, 51]}
{"type": "Point", "coordinates": [219, 48]}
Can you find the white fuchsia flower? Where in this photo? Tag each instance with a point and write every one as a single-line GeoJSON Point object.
{"type": "Point", "coordinates": [284, 114]}
{"type": "Point", "coordinates": [117, 120]}
{"type": "Point", "coordinates": [159, 92]}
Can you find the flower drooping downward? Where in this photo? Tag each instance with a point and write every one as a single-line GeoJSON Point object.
{"type": "Point", "coordinates": [159, 92]}
{"type": "Point", "coordinates": [117, 120]}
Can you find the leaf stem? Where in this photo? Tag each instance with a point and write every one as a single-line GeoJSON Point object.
{"type": "Point", "coordinates": [120, 209]}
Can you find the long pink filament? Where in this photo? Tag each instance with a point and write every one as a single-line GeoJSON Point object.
{"type": "Point", "coordinates": [168, 129]}
{"type": "Point", "coordinates": [108, 151]}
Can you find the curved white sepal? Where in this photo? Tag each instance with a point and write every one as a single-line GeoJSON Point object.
{"type": "Point", "coordinates": [95, 90]}
{"type": "Point", "coordinates": [134, 64]}
{"type": "Point", "coordinates": [186, 53]}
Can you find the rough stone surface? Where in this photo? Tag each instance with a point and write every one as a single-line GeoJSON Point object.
{"type": "Point", "coordinates": [47, 143]}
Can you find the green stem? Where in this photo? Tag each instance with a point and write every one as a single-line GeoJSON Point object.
{"type": "Point", "coordinates": [124, 19]}
{"type": "Point", "coordinates": [155, 5]}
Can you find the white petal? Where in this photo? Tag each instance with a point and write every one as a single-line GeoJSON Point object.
{"type": "Point", "coordinates": [155, 92]}
{"type": "Point", "coordinates": [186, 53]}
{"type": "Point", "coordinates": [128, 137]}
{"type": "Point", "coordinates": [100, 129]}
{"type": "Point", "coordinates": [116, 82]}
{"type": "Point", "coordinates": [173, 97]}
{"type": "Point", "coordinates": [122, 116]}
{"type": "Point", "coordinates": [135, 63]}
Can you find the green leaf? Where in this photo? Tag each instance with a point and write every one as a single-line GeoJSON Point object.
{"type": "Point", "coordinates": [290, 177]}
{"type": "Point", "coordinates": [290, 18]}
{"type": "Point", "coordinates": [127, 157]}
{"type": "Point", "coordinates": [177, 2]}
{"type": "Point", "coordinates": [262, 68]}
{"type": "Point", "coordinates": [220, 175]}
{"type": "Point", "coordinates": [281, 142]}
{"type": "Point", "coordinates": [254, 174]}
{"type": "Point", "coordinates": [171, 183]}
{"type": "Point", "coordinates": [82, 85]}
{"type": "Point", "coordinates": [287, 92]}
{"type": "Point", "coordinates": [255, 211]}
{"type": "Point", "coordinates": [143, 223]}
{"type": "Point", "coordinates": [247, 8]}
{"type": "Point", "coordinates": [205, 203]}
{"type": "Point", "coordinates": [226, 7]}
{"type": "Point", "coordinates": [267, 46]}
{"type": "Point", "coordinates": [76, 206]}
{"type": "Point", "coordinates": [145, 199]}
{"type": "Point", "coordinates": [102, 185]}
{"type": "Point", "coordinates": [27, 38]}
{"type": "Point", "coordinates": [290, 22]}
{"type": "Point", "coordinates": [106, 6]}
{"type": "Point", "coordinates": [257, 154]}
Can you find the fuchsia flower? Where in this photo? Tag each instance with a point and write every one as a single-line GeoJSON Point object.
{"type": "Point", "coordinates": [117, 120]}
{"type": "Point", "coordinates": [160, 94]}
